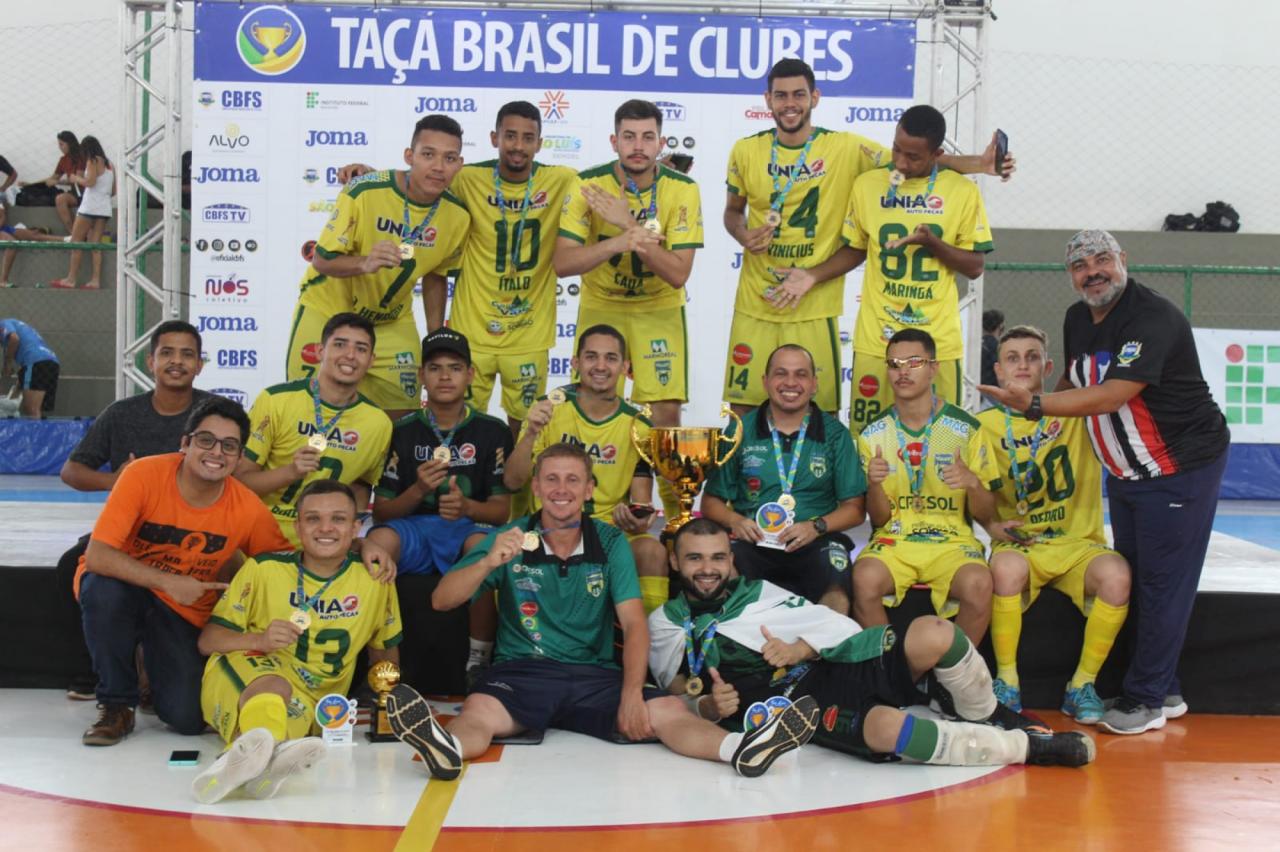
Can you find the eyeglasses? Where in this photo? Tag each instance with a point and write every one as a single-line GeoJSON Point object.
{"type": "Point", "coordinates": [915, 362]}
{"type": "Point", "coordinates": [208, 440]}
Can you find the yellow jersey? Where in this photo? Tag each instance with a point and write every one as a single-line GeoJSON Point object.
{"type": "Point", "coordinates": [812, 214]}
{"type": "Point", "coordinates": [370, 209]}
{"type": "Point", "coordinates": [504, 299]}
{"type": "Point", "coordinates": [942, 515]}
{"type": "Point", "coordinates": [624, 277]}
{"type": "Point", "coordinates": [283, 417]}
{"type": "Point", "coordinates": [352, 612]}
{"type": "Point", "coordinates": [908, 287]}
{"type": "Point", "coordinates": [614, 459]}
{"type": "Point", "coordinates": [1062, 484]}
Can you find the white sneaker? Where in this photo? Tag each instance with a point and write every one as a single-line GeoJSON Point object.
{"type": "Point", "coordinates": [1174, 707]}
{"type": "Point", "coordinates": [289, 757]}
{"type": "Point", "coordinates": [247, 758]}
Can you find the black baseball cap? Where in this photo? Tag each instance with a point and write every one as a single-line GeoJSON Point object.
{"type": "Point", "coordinates": [446, 340]}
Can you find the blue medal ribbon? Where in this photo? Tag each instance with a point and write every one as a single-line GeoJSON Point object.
{"type": "Point", "coordinates": [915, 474]}
{"type": "Point", "coordinates": [445, 440]}
{"type": "Point", "coordinates": [322, 428]}
{"type": "Point", "coordinates": [411, 234]}
{"type": "Point", "coordinates": [787, 478]}
{"type": "Point", "coordinates": [1022, 478]}
{"type": "Point", "coordinates": [524, 209]}
{"type": "Point", "coordinates": [697, 658]}
{"type": "Point", "coordinates": [933, 179]}
{"type": "Point", "coordinates": [305, 603]}
{"type": "Point", "coordinates": [651, 215]}
{"type": "Point", "coordinates": [780, 195]}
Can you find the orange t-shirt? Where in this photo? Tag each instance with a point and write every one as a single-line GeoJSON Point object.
{"type": "Point", "coordinates": [146, 518]}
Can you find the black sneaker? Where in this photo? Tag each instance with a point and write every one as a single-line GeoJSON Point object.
{"type": "Point", "coordinates": [1070, 748]}
{"type": "Point", "coordinates": [410, 717]}
{"type": "Point", "coordinates": [785, 732]}
{"type": "Point", "coordinates": [1012, 720]}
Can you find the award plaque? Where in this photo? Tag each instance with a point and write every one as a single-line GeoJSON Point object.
{"type": "Point", "coordinates": [383, 677]}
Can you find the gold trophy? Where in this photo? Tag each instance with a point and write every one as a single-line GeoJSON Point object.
{"type": "Point", "coordinates": [383, 677]}
{"type": "Point", "coordinates": [271, 37]}
{"type": "Point", "coordinates": [684, 456]}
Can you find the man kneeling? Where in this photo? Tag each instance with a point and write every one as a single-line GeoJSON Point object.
{"type": "Point", "coordinates": [284, 635]}
{"type": "Point", "coordinates": [561, 576]}
{"type": "Point", "coordinates": [759, 641]}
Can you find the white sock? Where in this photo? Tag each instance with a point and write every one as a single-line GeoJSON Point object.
{"type": "Point", "coordinates": [728, 746]}
{"type": "Point", "coordinates": [969, 683]}
{"type": "Point", "coordinates": [973, 744]}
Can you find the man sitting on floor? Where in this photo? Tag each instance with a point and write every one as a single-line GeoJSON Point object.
{"type": "Point", "coordinates": [284, 635]}
{"type": "Point", "coordinates": [561, 576]}
{"type": "Point", "coordinates": [754, 642]}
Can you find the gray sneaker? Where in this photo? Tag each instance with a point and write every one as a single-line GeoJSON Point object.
{"type": "Point", "coordinates": [1174, 706]}
{"type": "Point", "coordinates": [1127, 716]}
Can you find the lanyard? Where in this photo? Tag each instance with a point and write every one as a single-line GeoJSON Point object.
{"type": "Point", "coordinates": [524, 208]}
{"type": "Point", "coordinates": [308, 603]}
{"type": "Point", "coordinates": [1022, 478]}
{"type": "Point", "coordinates": [411, 234]}
{"type": "Point", "coordinates": [698, 658]}
{"type": "Point", "coordinates": [780, 195]}
{"type": "Point", "coordinates": [445, 440]}
{"type": "Point", "coordinates": [895, 178]}
{"type": "Point", "coordinates": [787, 478]}
{"type": "Point", "coordinates": [915, 474]}
{"type": "Point", "coordinates": [322, 428]}
{"type": "Point", "coordinates": [651, 215]}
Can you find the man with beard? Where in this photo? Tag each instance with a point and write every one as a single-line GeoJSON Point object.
{"type": "Point", "coordinates": [147, 424]}
{"type": "Point", "coordinates": [318, 428]}
{"type": "Point", "coordinates": [631, 234]}
{"type": "Point", "coordinates": [796, 458]}
{"type": "Point", "coordinates": [562, 577]}
{"type": "Point", "coordinates": [789, 191]}
{"type": "Point", "coordinates": [752, 641]}
{"type": "Point", "coordinates": [1133, 371]}
{"type": "Point", "coordinates": [389, 230]}
{"type": "Point", "coordinates": [591, 415]}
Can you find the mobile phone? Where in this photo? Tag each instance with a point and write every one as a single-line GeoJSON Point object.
{"type": "Point", "coordinates": [640, 510]}
{"type": "Point", "coordinates": [184, 758]}
{"type": "Point", "coordinates": [1002, 149]}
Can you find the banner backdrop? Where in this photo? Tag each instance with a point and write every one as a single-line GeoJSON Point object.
{"type": "Point", "coordinates": [285, 96]}
{"type": "Point", "coordinates": [1243, 372]}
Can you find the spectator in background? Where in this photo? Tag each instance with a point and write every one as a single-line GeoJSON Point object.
{"type": "Point", "coordinates": [17, 231]}
{"type": "Point", "coordinates": [98, 181]}
{"type": "Point", "coordinates": [10, 178]}
{"type": "Point", "coordinates": [147, 424]}
{"type": "Point", "coordinates": [69, 164]}
{"type": "Point", "coordinates": [25, 353]}
{"type": "Point", "coordinates": [186, 180]}
{"type": "Point", "coordinates": [992, 328]}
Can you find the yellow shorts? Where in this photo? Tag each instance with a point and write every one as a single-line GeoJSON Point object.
{"type": "Point", "coordinates": [524, 379]}
{"type": "Point", "coordinates": [657, 345]}
{"type": "Point", "coordinates": [392, 380]}
{"type": "Point", "coordinates": [872, 393]}
{"type": "Point", "coordinates": [933, 564]}
{"type": "Point", "coordinates": [225, 679]}
{"type": "Point", "coordinates": [752, 340]}
{"type": "Point", "coordinates": [1060, 563]}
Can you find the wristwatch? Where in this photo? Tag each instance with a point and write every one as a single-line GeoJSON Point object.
{"type": "Point", "coordinates": [820, 525]}
{"type": "Point", "coordinates": [1034, 410]}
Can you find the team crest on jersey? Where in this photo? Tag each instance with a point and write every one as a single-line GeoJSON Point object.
{"type": "Point", "coordinates": [818, 466]}
{"type": "Point", "coordinates": [752, 462]}
{"type": "Point", "coordinates": [404, 359]}
{"type": "Point", "coordinates": [941, 460]}
{"type": "Point", "coordinates": [1129, 353]}
{"type": "Point", "coordinates": [595, 583]}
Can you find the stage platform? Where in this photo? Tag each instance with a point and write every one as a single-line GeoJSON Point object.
{"type": "Point", "coordinates": [1231, 663]}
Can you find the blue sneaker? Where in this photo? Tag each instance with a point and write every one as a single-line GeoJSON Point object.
{"type": "Point", "coordinates": [1009, 696]}
{"type": "Point", "coordinates": [1083, 704]}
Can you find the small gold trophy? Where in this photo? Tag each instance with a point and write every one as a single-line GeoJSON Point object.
{"type": "Point", "coordinates": [684, 456]}
{"type": "Point", "coordinates": [272, 37]}
{"type": "Point", "coordinates": [383, 677]}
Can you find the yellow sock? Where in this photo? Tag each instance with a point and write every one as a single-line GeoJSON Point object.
{"type": "Point", "coordinates": [670, 502]}
{"type": "Point", "coordinates": [1006, 630]}
{"type": "Point", "coordinates": [653, 592]}
{"type": "Point", "coordinates": [1100, 631]}
{"type": "Point", "coordinates": [265, 710]}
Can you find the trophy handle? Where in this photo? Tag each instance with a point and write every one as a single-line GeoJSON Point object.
{"type": "Point", "coordinates": [644, 411]}
{"type": "Point", "coordinates": [736, 440]}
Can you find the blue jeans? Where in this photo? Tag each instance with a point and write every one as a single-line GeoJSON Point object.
{"type": "Point", "coordinates": [1162, 527]}
{"type": "Point", "coordinates": [119, 616]}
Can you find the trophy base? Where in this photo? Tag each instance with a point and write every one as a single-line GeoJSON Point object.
{"type": "Point", "coordinates": [379, 728]}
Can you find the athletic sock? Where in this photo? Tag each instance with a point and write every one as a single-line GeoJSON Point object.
{"type": "Point", "coordinates": [974, 744]}
{"type": "Point", "coordinates": [728, 746]}
{"type": "Point", "coordinates": [481, 652]}
{"type": "Point", "coordinates": [1100, 631]}
{"type": "Point", "coordinates": [917, 739]}
{"type": "Point", "coordinates": [653, 592]}
{"type": "Point", "coordinates": [670, 502]}
{"type": "Point", "coordinates": [963, 673]}
{"type": "Point", "coordinates": [265, 710]}
{"type": "Point", "coordinates": [1006, 630]}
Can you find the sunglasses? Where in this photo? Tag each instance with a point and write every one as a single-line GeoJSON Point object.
{"type": "Point", "coordinates": [208, 440]}
{"type": "Point", "coordinates": [915, 362]}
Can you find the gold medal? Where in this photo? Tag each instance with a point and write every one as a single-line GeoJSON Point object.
{"type": "Point", "coordinates": [1023, 507]}
{"type": "Point", "coordinates": [406, 251]}
{"type": "Point", "coordinates": [531, 541]}
{"type": "Point", "coordinates": [318, 443]}
{"type": "Point", "coordinates": [778, 674]}
{"type": "Point", "coordinates": [773, 218]}
{"type": "Point", "coordinates": [896, 178]}
{"type": "Point", "coordinates": [557, 396]}
{"type": "Point", "coordinates": [653, 226]}
{"type": "Point", "coordinates": [787, 502]}
{"type": "Point", "coordinates": [441, 454]}
{"type": "Point", "coordinates": [300, 619]}
{"type": "Point", "coordinates": [693, 687]}
{"type": "Point", "coordinates": [919, 503]}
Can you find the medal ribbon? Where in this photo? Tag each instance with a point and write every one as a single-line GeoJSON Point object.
{"type": "Point", "coordinates": [308, 603]}
{"type": "Point", "coordinates": [780, 195]}
{"type": "Point", "coordinates": [788, 478]}
{"type": "Point", "coordinates": [445, 440]}
{"type": "Point", "coordinates": [1022, 478]}
{"type": "Point", "coordinates": [322, 428]}
{"type": "Point", "coordinates": [651, 215]}
{"type": "Point", "coordinates": [915, 474]}
{"type": "Point", "coordinates": [697, 659]}
{"type": "Point", "coordinates": [933, 179]}
{"type": "Point", "coordinates": [410, 234]}
{"type": "Point", "coordinates": [524, 209]}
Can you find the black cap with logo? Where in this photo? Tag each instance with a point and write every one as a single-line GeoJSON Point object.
{"type": "Point", "coordinates": [446, 340]}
